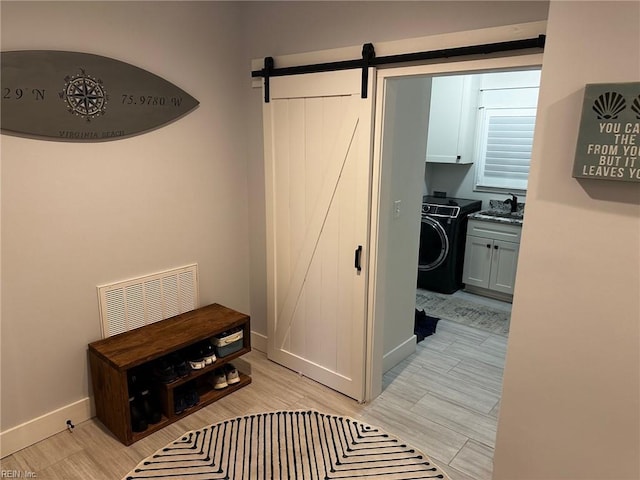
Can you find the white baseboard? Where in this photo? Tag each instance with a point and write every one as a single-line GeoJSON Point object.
{"type": "Point", "coordinates": [402, 351]}
{"type": "Point", "coordinates": [42, 427]}
{"type": "Point", "coordinates": [259, 342]}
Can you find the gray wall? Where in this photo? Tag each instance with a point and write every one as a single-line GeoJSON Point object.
{"type": "Point", "coordinates": [79, 215]}
{"type": "Point", "coordinates": [570, 407]}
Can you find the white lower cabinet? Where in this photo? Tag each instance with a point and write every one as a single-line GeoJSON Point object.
{"type": "Point", "coordinates": [491, 256]}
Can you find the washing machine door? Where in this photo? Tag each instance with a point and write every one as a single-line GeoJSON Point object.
{"type": "Point", "coordinates": [434, 245]}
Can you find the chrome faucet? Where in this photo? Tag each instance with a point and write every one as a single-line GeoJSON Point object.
{"type": "Point", "coordinates": [513, 201]}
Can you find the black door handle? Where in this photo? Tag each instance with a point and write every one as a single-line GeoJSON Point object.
{"type": "Point", "coordinates": [358, 256]}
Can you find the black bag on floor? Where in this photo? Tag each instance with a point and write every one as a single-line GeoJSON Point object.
{"type": "Point", "coordinates": [424, 325]}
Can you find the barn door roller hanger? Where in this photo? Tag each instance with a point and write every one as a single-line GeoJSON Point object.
{"type": "Point", "coordinates": [369, 59]}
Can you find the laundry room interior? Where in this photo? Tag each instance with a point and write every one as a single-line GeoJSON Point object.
{"type": "Point", "coordinates": [478, 150]}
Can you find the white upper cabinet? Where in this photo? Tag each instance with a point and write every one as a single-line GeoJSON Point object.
{"type": "Point", "coordinates": [450, 135]}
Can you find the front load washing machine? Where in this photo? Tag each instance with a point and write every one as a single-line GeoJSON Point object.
{"type": "Point", "coordinates": [442, 239]}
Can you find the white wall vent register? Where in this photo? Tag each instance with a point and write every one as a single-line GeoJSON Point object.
{"type": "Point", "coordinates": [141, 301]}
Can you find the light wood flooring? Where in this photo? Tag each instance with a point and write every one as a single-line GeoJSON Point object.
{"type": "Point", "coordinates": [444, 400]}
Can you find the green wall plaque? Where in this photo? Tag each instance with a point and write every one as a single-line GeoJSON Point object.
{"type": "Point", "coordinates": [609, 138]}
{"type": "Point", "coordinates": [80, 97]}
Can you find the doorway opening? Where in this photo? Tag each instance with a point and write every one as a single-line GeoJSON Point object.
{"type": "Point", "coordinates": [438, 146]}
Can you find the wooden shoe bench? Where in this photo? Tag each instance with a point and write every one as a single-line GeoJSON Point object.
{"type": "Point", "coordinates": [111, 360]}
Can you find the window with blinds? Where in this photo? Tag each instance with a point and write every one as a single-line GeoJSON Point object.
{"type": "Point", "coordinates": [505, 141]}
{"type": "Point", "coordinates": [504, 137]}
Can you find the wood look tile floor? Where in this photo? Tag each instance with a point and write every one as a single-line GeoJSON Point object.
{"type": "Point", "coordinates": [444, 400]}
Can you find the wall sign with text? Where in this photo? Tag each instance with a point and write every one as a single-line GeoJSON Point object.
{"type": "Point", "coordinates": [609, 138]}
{"type": "Point", "coordinates": [81, 97]}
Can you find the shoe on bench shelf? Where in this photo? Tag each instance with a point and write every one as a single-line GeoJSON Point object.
{"type": "Point", "coordinates": [179, 365]}
{"type": "Point", "coordinates": [147, 403]}
{"type": "Point", "coordinates": [218, 379]}
{"type": "Point", "coordinates": [231, 374]}
{"type": "Point", "coordinates": [164, 371]}
{"type": "Point", "coordinates": [201, 355]}
{"type": "Point", "coordinates": [138, 422]}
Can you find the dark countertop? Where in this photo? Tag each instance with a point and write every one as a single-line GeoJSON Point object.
{"type": "Point", "coordinates": [488, 216]}
{"type": "Point", "coordinates": [500, 212]}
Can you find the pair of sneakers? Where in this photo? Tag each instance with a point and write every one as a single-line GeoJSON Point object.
{"type": "Point", "coordinates": [185, 398]}
{"type": "Point", "coordinates": [225, 376]}
{"type": "Point", "coordinates": [201, 355]}
{"type": "Point", "coordinates": [169, 368]}
{"type": "Point", "coordinates": [144, 407]}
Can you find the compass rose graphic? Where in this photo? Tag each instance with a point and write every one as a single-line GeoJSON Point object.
{"type": "Point", "coordinates": [84, 95]}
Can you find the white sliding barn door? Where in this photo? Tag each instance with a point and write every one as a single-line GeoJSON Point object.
{"type": "Point", "coordinates": [318, 135]}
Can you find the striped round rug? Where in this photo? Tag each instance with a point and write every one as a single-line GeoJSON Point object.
{"type": "Point", "coordinates": [287, 445]}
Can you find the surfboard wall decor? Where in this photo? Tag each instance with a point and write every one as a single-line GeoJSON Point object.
{"type": "Point", "coordinates": [81, 97]}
